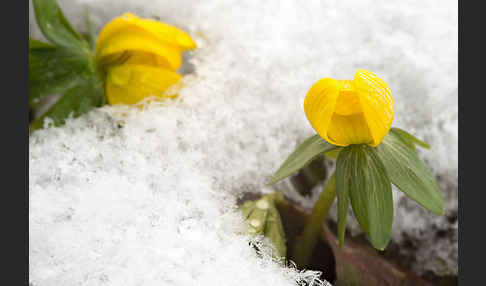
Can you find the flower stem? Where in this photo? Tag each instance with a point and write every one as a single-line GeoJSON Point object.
{"type": "Point", "coordinates": [305, 243]}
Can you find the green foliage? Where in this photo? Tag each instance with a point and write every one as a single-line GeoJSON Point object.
{"type": "Point", "coordinates": [64, 66]}
{"type": "Point", "coordinates": [364, 176]}
{"type": "Point", "coordinates": [91, 33]}
{"type": "Point", "coordinates": [55, 69]}
{"type": "Point", "coordinates": [362, 179]}
{"type": "Point", "coordinates": [74, 102]}
{"type": "Point", "coordinates": [410, 139]}
{"type": "Point", "coordinates": [408, 172]}
{"type": "Point", "coordinates": [264, 219]}
{"type": "Point", "coordinates": [333, 154]}
{"type": "Point", "coordinates": [55, 27]}
{"type": "Point", "coordinates": [302, 155]}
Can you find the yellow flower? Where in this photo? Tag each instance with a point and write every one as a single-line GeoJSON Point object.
{"type": "Point", "coordinates": [140, 57]}
{"type": "Point", "coordinates": [344, 112]}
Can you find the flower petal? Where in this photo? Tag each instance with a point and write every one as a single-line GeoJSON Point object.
{"type": "Point", "coordinates": [135, 57]}
{"type": "Point", "coordinates": [163, 32]}
{"type": "Point", "coordinates": [319, 105]}
{"type": "Point", "coordinates": [345, 130]}
{"type": "Point", "coordinates": [135, 39]}
{"type": "Point", "coordinates": [376, 102]}
{"type": "Point", "coordinates": [147, 59]}
{"type": "Point", "coordinates": [128, 83]}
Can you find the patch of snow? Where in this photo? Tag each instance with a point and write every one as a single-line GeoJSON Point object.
{"type": "Point", "coordinates": [137, 206]}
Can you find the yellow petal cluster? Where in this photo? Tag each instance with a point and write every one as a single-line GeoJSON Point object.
{"type": "Point", "coordinates": [140, 57]}
{"type": "Point", "coordinates": [345, 112]}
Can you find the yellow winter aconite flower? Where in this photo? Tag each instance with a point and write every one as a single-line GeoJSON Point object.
{"type": "Point", "coordinates": [140, 57]}
{"type": "Point", "coordinates": [357, 111]}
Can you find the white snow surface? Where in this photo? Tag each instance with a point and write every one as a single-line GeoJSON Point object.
{"type": "Point", "coordinates": [153, 202]}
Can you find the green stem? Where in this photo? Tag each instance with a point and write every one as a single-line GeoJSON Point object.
{"type": "Point", "coordinates": [305, 243]}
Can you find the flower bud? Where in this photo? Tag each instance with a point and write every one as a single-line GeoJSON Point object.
{"type": "Point", "coordinates": [140, 57]}
{"type": "Point", "coordinates": [345, 112]}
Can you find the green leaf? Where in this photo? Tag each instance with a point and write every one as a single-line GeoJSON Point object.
{"type": "Point", "coordinates": [55, 27]}
{"type": "Point", "coordinates": [410, 139]}
{"type": "Point", "coordinates": [36, 44]}
{"type": "Point", "coordinates": [76, 101]}
{"type": "Point", "coordinates": [409, 173]}
{"type": "Point", "coordinates": [360, 174]}
{"type": "Point", "coordinates": [54, 69]}
{"type": "Point", "coordinates": [302, 155]}
{"type": "Point", "coordinates": [91, 34]}
{"type": "Point", "coordinates": [343, 168]}
{"type": "Point", "coordinates": [275, 232]}
{"type": "Point", "coordinates": [333, 154]}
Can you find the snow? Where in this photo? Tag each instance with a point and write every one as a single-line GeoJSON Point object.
{"type": "Point", "coordinates": [125, 196]}
{"type": "Point", "coordinates": [133, 206]}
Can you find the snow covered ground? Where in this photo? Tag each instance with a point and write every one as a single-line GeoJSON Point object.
{"type": "Point", "coordinates": [123, 196]}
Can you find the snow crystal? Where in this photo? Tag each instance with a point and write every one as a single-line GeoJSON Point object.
{"type": "Point", "coordinates": [123, 196]}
